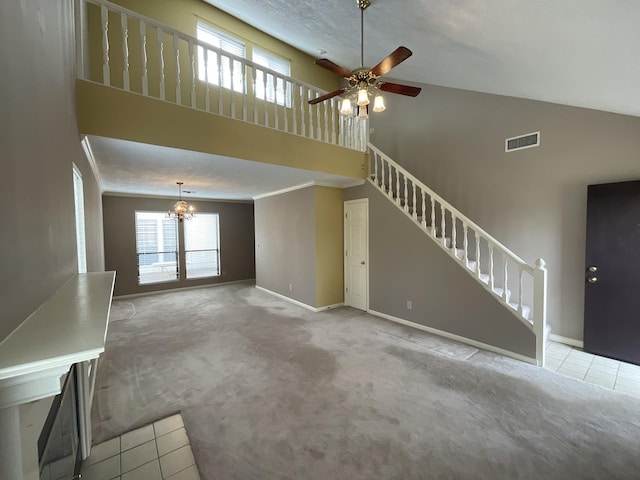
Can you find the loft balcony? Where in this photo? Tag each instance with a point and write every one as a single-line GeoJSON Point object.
{"type": "Point", "coordinates": [142, 81]}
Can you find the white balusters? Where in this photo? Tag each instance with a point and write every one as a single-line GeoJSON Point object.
{"type": "Point", "coordinates": [303, 128]}
{"type": "Point", "coordinates": [432, 217]}
{"type": "Point", "coordinates": [397, 192]}
{"type": "Point", "coordinates": [245, 93]}
{"type": "Point", "coordinates": [125, 51]}
{"type": "Point", "coordinates": [443, 226]}
{"type": "Point", "coordinates": [143, 57]}
{"type": "Point", "coordinates": [505, 280]}
{"type": "Point", "coordinates": [176, 57]}
{"type": "Point", "coordinates": [325, 109]}
{"type": "Point", "coordinates": [540, 308]}
{"type": "Point", "coordinates": [254, 82]}
{"type": "Point", "coordinates": [492, 278]}
{"type": "Point", "coordinates": [414, 207]}
{"type": "Point", "coordinates": [294, 109]}
{"type": "Point", "coordinates": [406, 195]}
{"type": "Point", "coordinates": [465, 244]}
{"type": "Point", "coordinates": [424, 209]}
{"type": "Point", "coordinates": [266, 110]}
{"type": "Point", "coordinates": [318, 119]}
{"type": "Point", "coordinates": [520, 288]}
{"type": "Point", "coordinates": [161, 63]}
{"type": "Point", "coordinates": [475, 232]}
{"type": "Point", "coordinates": [220, 64]}
{"type": "Point", "coordinates": [287, 96]}
{"type": "Point", "coordinates": [192, 59]}
{"type": "Point", "coordinates": [454, 233]}
{"type": "Point", "coordinates": [232, 89]}
{"type": "Point", "coordinates": [207, 93]}
{"type": "Point", "coordinates": [104, 20]}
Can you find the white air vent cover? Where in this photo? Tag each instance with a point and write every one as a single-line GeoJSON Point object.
{"type": "Point", "coordinates": [521, 142]}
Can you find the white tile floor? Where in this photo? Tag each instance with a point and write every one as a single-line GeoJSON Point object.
{"type": "Point", "coordinates": [159, 451]}
{"type": "Point", "coordinates": [612, 374]}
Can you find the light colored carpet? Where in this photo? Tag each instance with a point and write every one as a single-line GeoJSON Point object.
{"type": "Point", "coordinates": [271, 391]}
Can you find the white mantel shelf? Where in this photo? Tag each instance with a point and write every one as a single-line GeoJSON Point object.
{"type": "Point", "coordinates": [69, 327]}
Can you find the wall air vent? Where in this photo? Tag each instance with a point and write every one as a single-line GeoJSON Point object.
{"type": "Point", "coordinates": [521, 142]}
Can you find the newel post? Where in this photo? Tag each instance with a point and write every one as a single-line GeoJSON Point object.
{"type": "Point", "coordinates": [540, 309]}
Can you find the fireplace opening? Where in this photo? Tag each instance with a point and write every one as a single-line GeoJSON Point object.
{"type": "Point", "coordinates": [59, 442]}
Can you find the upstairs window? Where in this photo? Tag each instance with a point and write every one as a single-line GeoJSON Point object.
{"type": "Point", "coordinates": [274, 90]}
{"type": "Point", "coordinates": [201, 246]}
{"type": "Point", "coordinates": [220, 71]}
{"type": "Point", "coordinates": [156, 248]}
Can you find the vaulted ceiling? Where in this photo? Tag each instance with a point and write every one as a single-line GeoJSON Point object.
{"type": "Point", "coordinates": [576, 52]}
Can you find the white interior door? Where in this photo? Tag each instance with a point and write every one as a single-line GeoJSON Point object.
{"type": "Point", "coordinates": [356, 247]}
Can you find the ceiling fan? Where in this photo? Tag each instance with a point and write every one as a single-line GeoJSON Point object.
{"type": "Point", "coordinates": [366, 81]}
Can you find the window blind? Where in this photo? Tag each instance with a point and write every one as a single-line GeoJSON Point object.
{"type": "Point", "coordinates": [217, 69]}
{"type": "Point", "coordinates": [201, 245]}
{"type": "Point", "coordinates": [156, 247]}
{"type": "Point", "coordinates": [274, 89]}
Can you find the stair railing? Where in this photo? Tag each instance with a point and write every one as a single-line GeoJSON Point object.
{"type": "Point", "coordinates": [123, 49]}
{"type": "Point", "coordinates": [513, 282]}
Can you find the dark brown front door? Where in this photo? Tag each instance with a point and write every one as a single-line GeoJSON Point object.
{"type": "Point", "coordinates": [612, 272]}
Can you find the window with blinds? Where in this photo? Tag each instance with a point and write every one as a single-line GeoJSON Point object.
{"type": "Point", "coordinates": [220, 69]}
{"type": "Point", "coordinates": [201, 245]}
{"type": "Point", "coordinates": [78, 200]}
{"type": "Point", "coordinates": [270, 87]}
{"type": "Point", "coordinates": [156, 248]}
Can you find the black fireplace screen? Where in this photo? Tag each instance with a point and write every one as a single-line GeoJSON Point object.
{"type": "Point", "coordinates": [58, 444]}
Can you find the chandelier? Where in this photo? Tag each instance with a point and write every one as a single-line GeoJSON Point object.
{"type": "Point", "coordinates": [181, 210]}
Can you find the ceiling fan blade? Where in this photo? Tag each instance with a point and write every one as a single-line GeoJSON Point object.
{"type": "Point", "coordinates": [332, 67]}
{"type": "Point", "coordinates": [400, 89]}
{"type": "Point", "coordinates": [398, 56]}
{"type": "Point", "coordinates": [327, 96]}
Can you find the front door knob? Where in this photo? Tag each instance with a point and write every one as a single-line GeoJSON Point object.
{"type": "Point", "coordinates": [362, 262]}
{"type": "Point", "coordinates": [592, 279]}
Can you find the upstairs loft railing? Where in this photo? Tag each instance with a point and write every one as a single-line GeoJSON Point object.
{"type": "Point", "coordinates": [123, 49]}
{"type": "Point", "coordinates": [518, 286]}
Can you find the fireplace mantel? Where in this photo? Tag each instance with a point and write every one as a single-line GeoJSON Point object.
{"type": "Point", "coordinates": [69, 327]}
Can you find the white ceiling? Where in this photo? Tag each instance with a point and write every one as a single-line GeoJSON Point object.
{"type": "Point", "coordinates": [138, 169]}
{"type": "Point", "coordinates": [575, 52]}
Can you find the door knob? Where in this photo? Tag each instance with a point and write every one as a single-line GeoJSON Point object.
{"type": "Point", "coordinates": [593, 268]}
{"type": "Point", "coordinates": [592, 279]}
{"type": "Point", "coordinates": [362, 262]}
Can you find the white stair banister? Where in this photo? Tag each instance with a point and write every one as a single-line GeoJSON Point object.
{"type": "Point", "coordinates": [470, 259]}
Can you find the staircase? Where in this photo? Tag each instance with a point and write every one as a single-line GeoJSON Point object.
{"type": "Point", "coordinates": [519, 287]}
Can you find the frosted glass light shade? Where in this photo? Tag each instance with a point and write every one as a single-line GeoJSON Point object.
{"type": "Point", "coordinates": [363, 97]}
{"type": "Point", "coordinates": [362, 112]}
{"type": "Point", "coordinates": [345, 108]}
{"type": "Point", "coordinates": [378, 104]}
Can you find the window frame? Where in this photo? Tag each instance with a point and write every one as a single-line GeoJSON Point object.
{"type": "Point", "coordinates": [230, 80]}
{"type": "Point", "coordinates": [160, 219]}
{"type": "Point", "coordinates": [272, 61]}
{"type": "Point", "coordinates": [216, 248]}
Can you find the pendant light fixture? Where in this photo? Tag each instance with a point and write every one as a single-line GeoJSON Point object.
{"type": "Point", "coordinates": [181, 210]}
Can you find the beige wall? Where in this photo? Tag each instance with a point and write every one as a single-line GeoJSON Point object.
{"type": "Point", "coordinates": [236, 241]}
{"type": "Point", "coordinates": [38, 143]}
{"type": "Point", "coordinates": [329, 246]}
{"type": "Point", "coordinates": [299, 245]}
{"type": "Point", "coordinates": [534, 200]}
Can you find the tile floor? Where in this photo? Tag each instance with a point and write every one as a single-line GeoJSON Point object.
{"type": "Point", "coordinates": [612, 374]}
{"type": "Point", "coordinates": [159, 451]}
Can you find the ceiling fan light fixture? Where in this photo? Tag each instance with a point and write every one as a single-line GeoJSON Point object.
{"type": "Point", "coordinates": [378, 104]}
{"type": "Point", "coordinates": [346, 108]}
{"type": "Point", "coordinates": [363, 97]}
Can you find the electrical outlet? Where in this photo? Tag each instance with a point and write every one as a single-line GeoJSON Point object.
{"type": "Point", "coordinates": [291, 287]}
{"type": "Point", "coordinates": [409, 305]}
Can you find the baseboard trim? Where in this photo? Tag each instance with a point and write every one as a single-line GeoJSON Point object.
{"type": "Point", "coordinates": [453, 336]}
{"type": "Point", "coordinates": [566, 340]}
{"type": "Point", "coordinates": [159, 292]}
{"type": "Point", "coordinates": [296, 302]}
